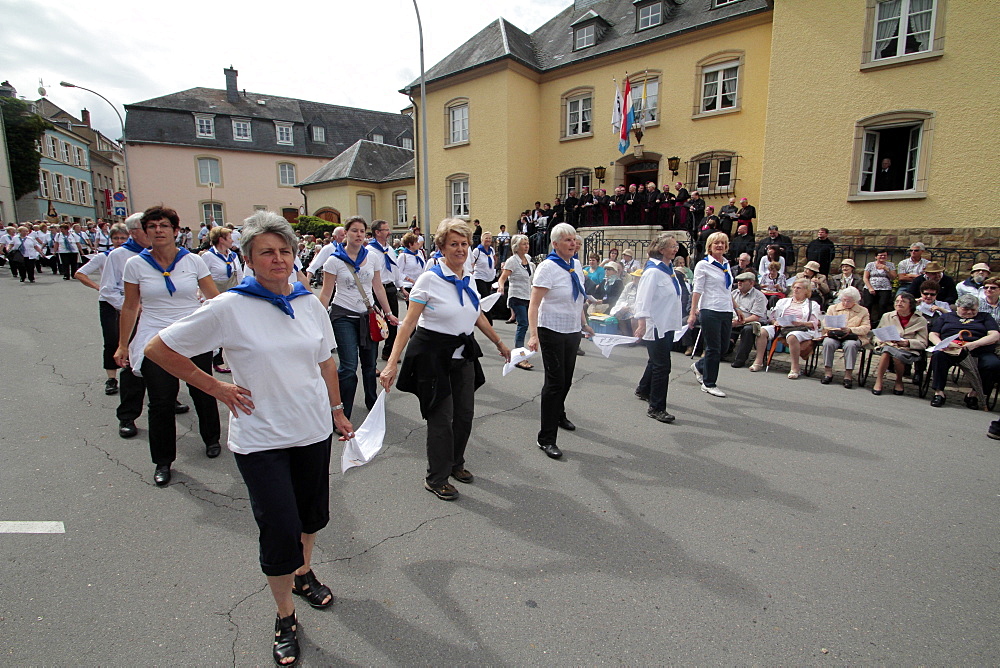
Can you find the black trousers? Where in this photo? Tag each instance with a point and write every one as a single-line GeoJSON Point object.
{"type": "Point", "coordinates": [559, 360]}
{"type": "Point", "coordinates": [391, 296]}
{"type": "Point", "coordinates": [162, 389]}
{"type": "Point", "coordinates": [449, 424]}
{"type": "Point", "coordinates": [878, 304]}
{"type": "Point", "coordinates": [484, 288]}
{"type": "Point", "coordinates": [109, 333]}
{"type": "Point", "coordinates": [987, 362]}
{"type": "Point", "coordinates": [656, 377]}
{"type": "Point", "coordinates": [68, 263]}
{"type": "Point", "coordinates": [290, 495]}
{"type": "Point", "coordinates": [24, 269]}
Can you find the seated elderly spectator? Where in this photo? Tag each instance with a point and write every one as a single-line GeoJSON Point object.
{"type": "Point", "coordinates": [753, 305]}
{"type": "Point", "coordinates": [913, 266]}
{"type": "Point", "coordinates": [773, 254]}
{"type": "Point", "coordinates": [990, 301]}
{"type": "Point", "coordinates": [928, 305]}
{"type": "Point", "coordinates": [741, 266]}
{"type": "Point", "coordinates": [978, 336]}
{"type": "Point", "coordinates": [594, 271]}
{"type": "Point", "coordinates": [947, 291]}
{"type": "Point", "coordinates": [802, 317]}
{"type": "Point", "coordinates": [773, 284]}
{"type": "Point", "coordinates": [820, 287]}
{"type": "Point", "coordinates": [682, 264]}
{"type": "Point", "coordinates": [850, 338]}
{"type": "Point", "coordinates": [628, 262]}
{"type": "Point", "coordinates": [607, 291]}
{"type": "Point", "coordinates": [625, 306]}
{"type": "Point", "coordinates": [973, 285]}
{"type": "Point", "coordinates": [847, 278]}
{"type": "Point", "coordinates": [907, 349]}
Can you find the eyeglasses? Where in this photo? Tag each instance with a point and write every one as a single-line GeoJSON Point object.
{"type": "Point", "coordinates": [929, 294]}
{"type": "Point", "coordinates": [991, 287]}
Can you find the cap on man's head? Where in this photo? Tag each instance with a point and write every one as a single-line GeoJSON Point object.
{"type": "Point", "coordinates": [744, 199]}
{"type": "Point", "coordinates": [746, 276]}
{"type": "Point", "coordinates": [980, 266]}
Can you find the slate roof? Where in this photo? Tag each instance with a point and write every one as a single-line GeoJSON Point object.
{"type": "Point", "coordinates": [551, 45]}
{"type": "Point", "coordinates": [169, 119]}
{"type": "Point", "coordinates": [366, 161]}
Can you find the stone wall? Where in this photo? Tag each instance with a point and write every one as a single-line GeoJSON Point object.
{"type": "Point", "coordinates": [986, 238]}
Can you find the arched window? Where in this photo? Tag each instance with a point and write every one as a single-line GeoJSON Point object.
{"type": "Point", "coordinates": [718, 87]}
{"type": "Point", "coordinates": [891, 155]}
{"type": "Point", "coordinates": [456, 116]}
{"type": "Point", "coordinates": [574, 179]}
{"type": "Point", "coordinates": [577, 106]}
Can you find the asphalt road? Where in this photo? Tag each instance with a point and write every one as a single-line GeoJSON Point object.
{"type": "Point", "coordinates": [791, 523]}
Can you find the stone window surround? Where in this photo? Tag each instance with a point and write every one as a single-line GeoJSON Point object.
{"type": "Point", "coordinates": [888, 119]}
{"type": "Point", "coordinates": [449, 108]}
{"type": "Point", "coordinates": [711, 62]}
{"type": "Point", "coordinates": [578, 93]}
{"type": "Point", "coordinates": [934, 53]}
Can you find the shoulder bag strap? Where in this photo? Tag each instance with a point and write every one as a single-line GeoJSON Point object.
{"type": "Point", "coordinates": [364, 295]}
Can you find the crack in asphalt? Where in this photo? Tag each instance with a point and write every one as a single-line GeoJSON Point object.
{"type": "Point", "coordinates": [386, 539]}
{"type": "Point", "coordinates": [229, 616]}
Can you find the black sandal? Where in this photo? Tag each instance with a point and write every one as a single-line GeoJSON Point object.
{"type": "Point", "coordinates": [309, 588]}
{"type": "Point", "coordinates": [286, 644]}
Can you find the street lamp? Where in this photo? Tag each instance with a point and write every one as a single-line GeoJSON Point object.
{"type": "Point", "coordinates": [673, 163]}
{"type": "Point", "coordinates": [425, 198]}
{"type": "Point", "coordinates": [121, 121]}
{"type": "Point", "coordinates": [599, 172]}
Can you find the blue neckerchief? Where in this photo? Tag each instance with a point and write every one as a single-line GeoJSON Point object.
{"type": "Point", "coordinates": [341, 254]}
{"type": "Point", "coordinates": [251, 288]}
{"type": "Point", "coordinates": [147, 255]}
{"type": "Point", "coordinates": [489, 253]}
{"type": "Point", "coordinates": [437, 255]}
{"type": "Point", "coordinates": [389, 262]}
{"type": "Point", "coordinates": [228, 260]}
{"type": "Point", "coordinates": [574, 277]}
{"type": "Point", "coordinates": [133, 245]}
{"type": "Point", "coordinates": [415, 254]}
{"type": "Point", "coordinates": [666, 269]}
{"type": "Point", "coordinates": [107, 252]}
{"type": "Point", "coordinates": [724, 268]}
{"type": "Point", "coordinates": [461, 284]}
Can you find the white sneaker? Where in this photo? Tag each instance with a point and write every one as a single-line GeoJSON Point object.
{"type": "Point", "coordinates": [714, 391]}
{"type": "Point", "coordinates": [697, 374]}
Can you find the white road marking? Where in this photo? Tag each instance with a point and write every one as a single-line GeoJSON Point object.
{"type": "Point", "coordinates": [32, 527]}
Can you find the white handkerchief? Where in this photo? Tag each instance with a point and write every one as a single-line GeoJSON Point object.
{"type": "Point", "coordinates": [945, 343]}
{"type": "Point", "coordinates": [367, 439]}
{"type": "Point", "coordinates": [887, 333]}
{"type": "Point", "coordinates": [680, 333]}
{"type": "Point", "coordinates": [517, 356]}
{"type": "Point", "coordinates": [605, 342]}
{"type": "Point", "coordinates": [486, 303]}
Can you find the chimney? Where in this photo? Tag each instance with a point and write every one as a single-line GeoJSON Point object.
{"type": "Point", "coordinates": [6, 90]}
{"type": "Point", "coordinates": [85, 117]}
{"type": "Point", "coordinates": [232, 93]}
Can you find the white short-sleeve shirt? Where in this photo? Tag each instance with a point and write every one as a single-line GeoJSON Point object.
{"type": "Point", "coordinates": [442, 311]}
{"type": "Point", "coordinates": [217, 266]}
{"type": "Point", "coordinates": [347, 295]}
{"type": "Point", "coordinates": [484, 264]}
{"type": "Point", "coordinates": [274, 356]}
{"type": "Point", "coordinates": [558, 310]}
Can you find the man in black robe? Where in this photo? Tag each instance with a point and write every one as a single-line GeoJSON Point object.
{"type": "Point", "coordinates": [571, 205]}
{"type": "Point", "coordinates": [586, 208]}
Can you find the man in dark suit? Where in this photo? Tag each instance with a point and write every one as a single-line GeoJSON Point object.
{"type": "Point", "coordinates": [742, 242]}
{"type": "Point", "coordinates": [571, 205]}
{"type": "Point", "coordinates": [885, 177]}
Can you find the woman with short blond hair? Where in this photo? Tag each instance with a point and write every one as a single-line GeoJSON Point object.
{"type": "Point", "coordinates": [712, 302]}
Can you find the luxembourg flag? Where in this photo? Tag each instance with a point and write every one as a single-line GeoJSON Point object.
{"type": "Point", "coordinates": [628, 118]}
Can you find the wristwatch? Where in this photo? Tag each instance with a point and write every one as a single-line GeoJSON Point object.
{"type": "Point", "coordinates": [338, 407]}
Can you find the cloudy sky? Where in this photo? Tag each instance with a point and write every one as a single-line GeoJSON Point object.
{"type": "Point", "coordinates": [353, 53]}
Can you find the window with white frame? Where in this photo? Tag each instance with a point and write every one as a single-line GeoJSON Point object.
{"type": "Point", "coordinates": [57, 186]}
{"type": "Point", "coordinates": [204, 126]}
{"type": "Point", "coordinates": [378, 138]}
{"type": "Point", "coordinates": [719, 83]}
{"type": "Point", "coordinates": [209, 171]}
{"type": "Point", "coordinates": [71, 189]}
{"type": "Point", "coordinates": [408, 143]}
{"type": "Point", "coordinates": [318, 133]}
{"type": "Point", "coordinates": [584, 36]}
{"type": "Point", "coordinates": [44, 184]}
{"type": "Point", "coordinates": [211, 212]}
{"type": "Point", "coordinates": [401, 216]}
{"type": "Point", "coordinates": [578, 115]}
{"type": "Point", "coordinates": [459, 196]}
{"type": "Point", "coordinates": [889, 158]}
{"type": "Point", "coordinates": [286, 174]}
{"type": "Point", "coordinates": [650, 15]}
{"type": "Point", "coordinates": [65, 152]}
{"type": "Point", "coordinates": [903, 27]}
{"type": "Point", "coordinates": [78, 157]}
{"type": "Point", "coordinates": [284, 133]}
{"type": "Point", "coordinates": [52, 147]}
{"type": "Point", "coordinates": [241, 130]}
{"type": "Point", "coordinates": [652, 88]}
{"type": "Point", "coordinates": [458, 123]}
{"type": "Point", "coordinates": [84, 192]}
{"type": "Point", "coordinates": [574, 179]}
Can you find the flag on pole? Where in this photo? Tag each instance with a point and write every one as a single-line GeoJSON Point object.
{"type": "Point", "coordinates": [642, 115]}
{"type": "Point", "coordinates": [616, 113]}
{"type": "Point", "coordinates": [628, 118]}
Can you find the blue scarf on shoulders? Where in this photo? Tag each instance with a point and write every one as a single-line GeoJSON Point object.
{"type": "Point", "coordinates": [666, 269]}
{"type": "Point", "coordinates": [575, 279]}
{"type": "Point", "coordinates": [228, 259]}
{"type": "Point", "coordinates": [389, 262]}
{"type": "Point", "coordinates": [724, 267]}
{"type": "Point", "coordinates": [461, 284]}
{"type": "Point", "coordinates": [250, 287]}
{"type": "Point", "coordinates": [341, 254]}
{"type": "Point", "coordinates": [147, 255]}
{"type": "Point", "coordinates": [489, 253]}
{"type": "Point", "coordinates": [133, 245]}
{"type": "Point", "coordinates": [415, 254]}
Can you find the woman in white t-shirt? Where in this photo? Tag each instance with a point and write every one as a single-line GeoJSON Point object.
{"type": "Point", "coordinates": [556, 315]}
{"type": "Point", "coordinates": [285, 388]}
{"type": "Point", "coordinates": [712, 305]}
{"type": "Point", "coordinates": [411, 261]}
{"type": "Point", "coordinates": [227, 272]}
{"type": "Point", "coordinates": [164, 280]}
{"type": "Point", "coordinates": [348, 266]}
{"type": "Point", "coordinates": [443, 310]}
{"type": "Point", "coordinates": [67, 247]}
{"type": "Point", "coordinates": [515, 282]}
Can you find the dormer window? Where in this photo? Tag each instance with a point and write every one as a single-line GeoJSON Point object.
{"type": "Point", "coordinates": [648, 14]}
{"type": "Point", "coordinates": [318, 133]}
{"type": "Point", "coordinates": [584, 37]}
{"type": "Point", "coordinates": [588, 30]}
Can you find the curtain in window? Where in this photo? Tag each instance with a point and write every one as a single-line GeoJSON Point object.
{"type": "Point", "coordinates": [919, 33]}
{"type": "Point", "coordinates": [729, 88]}
{"type": "Point", "coordinates": [711, 90]}
{"type": "Point", "coordinates": [887, 28]}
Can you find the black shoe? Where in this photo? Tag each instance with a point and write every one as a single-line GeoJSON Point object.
{"type": "Point", "coordinates": [918, 378]}
{"type": "Point", "coordinates": [848, 383]}
{"type": "Point", "coordinates": [579, 351]}
{"type": "Point", "coordinates": [662, 416]}
{"type": "Point", "coordinates": [898, 393]}
{"type": "Point", "coordinates": [127, 428]}
{"type": "Point", "coordinates": [316, 594]}
{"type": "Point", "coordinates": [972, 402]}
{"type": "Point", "coordinates": [994, 435]}
{"type": "Point", "coordinates": [111, 386]}
{"type": "Point", "coordinates": [877, 393]}
{"type": "Point", "coordinates": [286, 644]}
{"type": "Point", "coordinates": [212, 450]}
{"type": "Point", "coordinates": [180, 408]}
{"type": "Point", "coordinates": [564, 423]}
{"type": "Point", "coordinates": [738, 364]}
{"type": "Point", "coordinates": [937, 401]}
{"type": "Point", "coordinates": [551, 450]}
{"type": "Point", "coordinates": [642, 397]}
{"type": "Point", "coordinates": [462, 476]}
{"type": "Point", "coordinates": [162, 475]}
{"type": "Point", "coordinates": [444, 491]}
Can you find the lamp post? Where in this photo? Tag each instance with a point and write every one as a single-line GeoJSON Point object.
{"type": "Point", "coordinates": [673, 163]}
{"type": "Point", "coordinates": [211, 201]}
{"type": "Point", "coordinates": [425, 186]}
{"type": "Point", "coordinates": [121, 121]}
{"type": "Point", "coordinates": [599, 172]}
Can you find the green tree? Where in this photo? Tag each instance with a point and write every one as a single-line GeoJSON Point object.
{"type": "Point", "coordinates": [24, 130]}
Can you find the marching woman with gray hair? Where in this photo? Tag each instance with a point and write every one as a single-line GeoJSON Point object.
{"type": "Point", "coordinates": [556, 315]}
{"type": "Point", "coordinates": [517, 271]}
{"type": "Point", "coordinates": [278, 339]}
